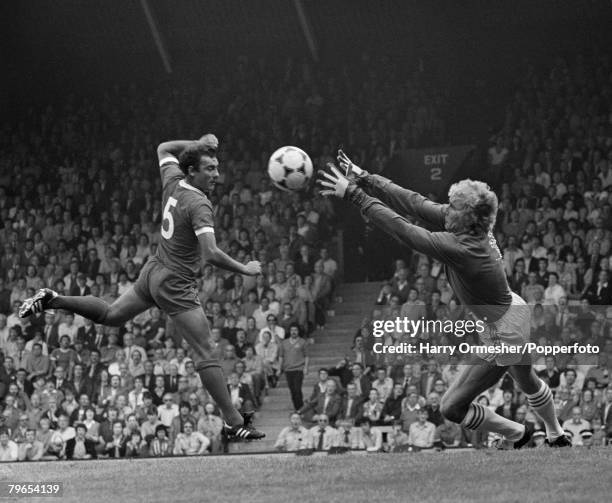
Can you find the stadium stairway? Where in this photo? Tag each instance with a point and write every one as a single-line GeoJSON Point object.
{"type": "Point", "coordinates": [330, 345]}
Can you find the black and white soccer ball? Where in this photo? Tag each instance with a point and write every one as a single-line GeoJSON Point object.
{"type": "Point", "coordinates": [290, 168]}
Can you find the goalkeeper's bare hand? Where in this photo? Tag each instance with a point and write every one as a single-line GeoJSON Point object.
{"type": "Point", "coordinates": [347, 165]}
{"type": "Point", "coordinates": [334, 183]}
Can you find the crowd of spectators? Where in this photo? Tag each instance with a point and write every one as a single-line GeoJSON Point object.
{"type": "Point", "coordinates": [80, 212]}
{"type": "Point", "coordinates": [551, 165]}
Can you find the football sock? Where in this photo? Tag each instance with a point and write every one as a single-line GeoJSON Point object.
{"type": "Point", "coordinates": [542, 403]}
{"type": "Point", "coordinates": [480, 418]}
{"type": "Point", "coordinates": [89, 306]}
{"type": "Point", "coordinates": [214, 381]}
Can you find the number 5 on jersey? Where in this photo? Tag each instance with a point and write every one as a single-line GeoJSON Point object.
{"type": "Point", "coordinates": [169, 231]}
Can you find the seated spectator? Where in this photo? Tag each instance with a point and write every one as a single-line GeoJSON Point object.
{"type": "Point", "coordinates": [160, 445]}
{"type": "Point", "coordinates": [53, 443]}
{"type": "Point", "coordinates": [168, 410]}
{"type": "Point", "coordinates": [210, 424]}
{"type": "Point", "coordinates": [372, 408]}
{"type": "Point", "coordinates": [328, 403]}
{"type": "Point", "coordinates": [93, 426]}
{"type": "Point", "coordinates": [421, 433]}
{"type": "Point", "coordinates": [80, 447]}
{"type": "Point", "coordinates": [293, 437]}
{"type": "Point", "coordinates": [576, 425]}
{"type": "Point", "coordinates": [392, 408]}
{"type": "Point", "coordinates": [31, 449]}
{"type": "Point", "coordinates": [449, 434]}
{"type": "Point", "coordinates": [268, 350]}
{"type": "Point", "coordinates": [190, 442]}
{"type": "Point", "coordinates": [9, 451]}
{"type": "Point", "coordinates": [322, 436]}
{"type": "Point", "coordinates": [367, 437]}
{"type": "Point", "coordinates": [360, 380]}
{"type": "Point", "coordinates": [241, 394]}
{"type": "Point", "coordinates": [382, 384]}
{"type": "Point", "coordinates": [346, 433]}
{"type": "Point", "coordinates": [136, 447]}
{"type": "Point", "coordinates": [434, 415]}
{"type": "Point", "coordinates": [18, 434]}
{"type": "Point", "coordinates": [410, 409]}
{"type": "Point", "coordinates": [178, 422]}
{"type": "Point", "coordinates": [397, 438]}
{"type": "Point", "coordinates": [115, 448]}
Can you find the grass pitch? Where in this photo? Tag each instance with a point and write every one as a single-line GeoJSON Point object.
{"type": "Point", "coordinates": [544, 475]}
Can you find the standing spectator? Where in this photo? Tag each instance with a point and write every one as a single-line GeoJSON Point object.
{"type": "Point", "coordinates": [293, 361]}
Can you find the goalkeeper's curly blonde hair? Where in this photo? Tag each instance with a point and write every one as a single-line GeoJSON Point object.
{"type": "Point", "coordinates": [476, 204]}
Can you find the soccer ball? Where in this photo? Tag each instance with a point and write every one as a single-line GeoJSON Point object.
{"type": "Point", "coordinates": [290, 168]}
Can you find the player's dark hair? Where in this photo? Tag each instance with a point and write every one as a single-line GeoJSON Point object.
{"type": "Point", "coordinates": [190, 157]}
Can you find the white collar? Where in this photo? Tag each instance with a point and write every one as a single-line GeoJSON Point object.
{"type": "Point", "coordinates": [188, 186]}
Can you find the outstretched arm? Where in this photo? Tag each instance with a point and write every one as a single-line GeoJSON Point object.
{"type": "Point", "coordinates": [439, 245]}
{"type": "Point", "coordinates": [217, 257]}
{"type": "Point", "coordinates": [397, 198]}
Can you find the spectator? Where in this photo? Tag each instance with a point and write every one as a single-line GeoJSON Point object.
{"type": "Point", "coordinates": [323, 436]}
{"type": "Point", "coordinates": [31, 449]}
{"type": "Point", "coordinates": [190, 442]}
{"type": "Point", "coordinates": [168, 411]}
{"type": "Point", "coordinates": [160, 445]}
{"type": "Point", "coordinates": [328, 403]}
{"type": "Point", "coordinates": [136, 447]}
{"type": "Point", "coordinates": [293, 361]}
{"type": "Point", "coordinates": [293, 437]}
{"type": "Point", "coordinates": [9, 450]}
{"type": "Point", "coordinates": [421, 432]}
{"type": "Point", "coordinates": [575, 425]}
{"type": "Point", "coordinates": [211, 426]}
{"type": "Point", "coordinates": [115, 448]}
{"type": "Point", "coordinates": [80, 447]}
{"type": "Point", "coordinates": [367, 437]}
{"type": "Point", "coordinates": [397, 438]}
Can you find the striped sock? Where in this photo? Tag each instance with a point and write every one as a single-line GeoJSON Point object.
{"type": "Point", "coordinates": [542, 403]}
{"type": "Point", "coordinates": [480, 418]}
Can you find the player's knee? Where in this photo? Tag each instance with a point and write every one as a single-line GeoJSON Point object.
{"type": "Point", "coordinates": [114, 317]}
{"type": "Point", "coordinates": [453, 410]}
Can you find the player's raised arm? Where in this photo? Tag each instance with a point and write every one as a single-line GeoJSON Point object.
{"type": "Point", "coordinates": [217, 257]}
{"type": "Point", "coordinates": [174, 148]}
{"type": "Point", "coordinates": [397, 198]}
{"type": "Point", "coordinates": [440, 245]}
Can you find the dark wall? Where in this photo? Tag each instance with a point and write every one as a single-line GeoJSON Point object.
{"type": "Point", "coordinates": [54, 46]}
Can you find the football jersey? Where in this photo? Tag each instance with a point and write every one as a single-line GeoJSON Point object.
{"type": "Point", "coordinates": [187, 213]}
{"type": "Point", "coordinates": [473, 264]}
